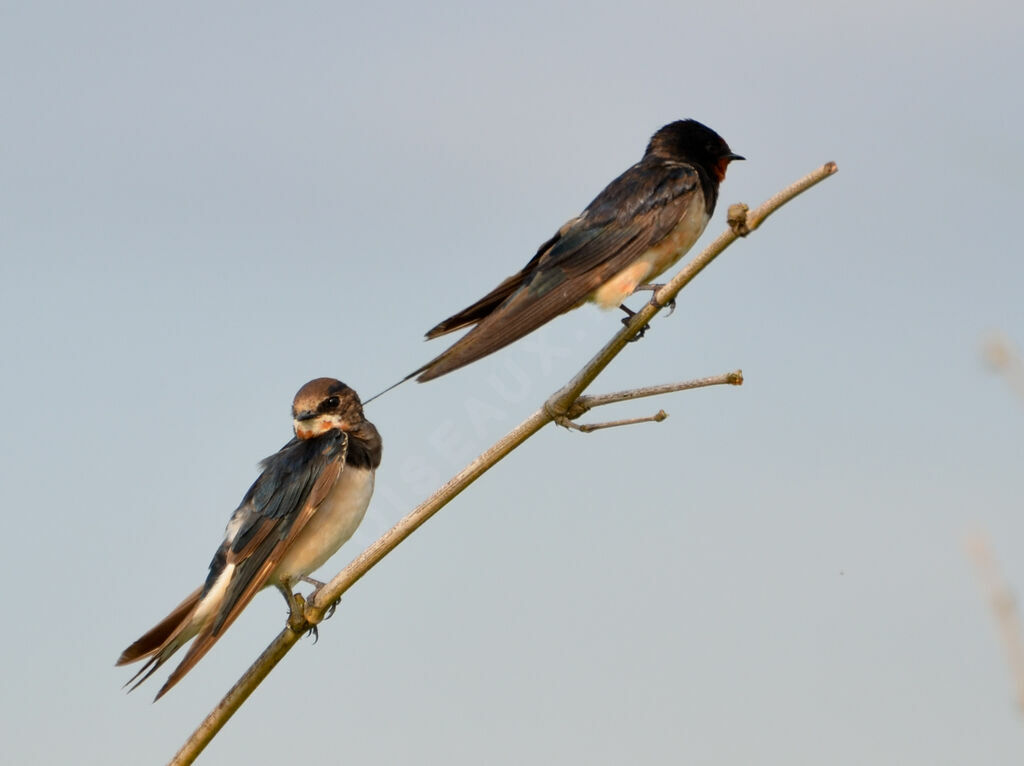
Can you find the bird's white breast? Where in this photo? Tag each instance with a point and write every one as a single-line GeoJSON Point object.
{"type": "Point", "coordinates": [653, 262]}
{"type": "Point", "coordinates": [333, 523]}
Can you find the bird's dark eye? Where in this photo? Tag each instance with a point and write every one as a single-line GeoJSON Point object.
{"type": "Point", "coordinates": [331, 404]}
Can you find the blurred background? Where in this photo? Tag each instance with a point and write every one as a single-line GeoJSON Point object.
{"type": "Point", "coordinates": [205, 205]}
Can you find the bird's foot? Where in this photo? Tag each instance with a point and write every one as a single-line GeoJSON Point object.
{"type": "Point", "coordinates": [296, 611]}
{"type": "Point", "coordinates": [312, 596]}
{"type": "Point", "coordinates": [297, 621]}
{"type": "Point", "coordinates": [626, 320]}
{"type": "Point", "coordinates": [331, 609]}
{"type": "Point", "coordinates": [671, 305]}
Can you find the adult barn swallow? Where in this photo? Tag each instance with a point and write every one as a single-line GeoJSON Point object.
{"type": "Point", "coordinates": [641, 224]}
{"type": "Point", "coordinates": [309, 499]}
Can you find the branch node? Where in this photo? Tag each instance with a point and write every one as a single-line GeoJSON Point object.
{"type": "Point", "coordinates": [737, 219]}
{"type": "Point", "coordinates": [558, 414]}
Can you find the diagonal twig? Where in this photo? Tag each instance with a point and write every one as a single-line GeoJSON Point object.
{"type": "Point", "coordinates": [557, 406]}
{"type": "Point", "coordinates": [1003, 357]}
{"type": "Point", "coordinates": [1004, 608]}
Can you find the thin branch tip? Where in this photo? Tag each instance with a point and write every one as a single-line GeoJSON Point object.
{"type": "Point", "coordinates": [587, 428]}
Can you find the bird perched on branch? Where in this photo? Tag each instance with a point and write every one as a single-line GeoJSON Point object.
{"type": "Point", "coordinates": [309, 499]}
{"type": "Point", "coordinates": [641, 224]}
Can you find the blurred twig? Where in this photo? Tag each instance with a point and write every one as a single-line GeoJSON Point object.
{"type": "Point", "coordinates": [559, 406]}
{"type": "Point", "coordinates": [1003, 357]}
{"type": "Point", "coordinates": [1004, 607]}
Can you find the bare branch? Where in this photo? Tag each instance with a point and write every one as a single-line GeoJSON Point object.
{"type": "Point", "coordinates": [585, 403]}
{"type": "Point", "coordinates": [239, 693]}
{"type": "Point", "coordinates": [756, 217]}
{"type": "Point", "coordinates": [657, 417]}
{"type": "Point", "coordinates": [559, 405]}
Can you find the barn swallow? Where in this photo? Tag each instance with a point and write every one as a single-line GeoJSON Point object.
{"type": "Point", "coordinates": [641, 224]}
{"type": "Point", "coordinates": [306, 503]}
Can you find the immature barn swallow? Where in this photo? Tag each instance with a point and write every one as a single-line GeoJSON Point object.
{"type": "Point", "coordinates": [640, 225]}
{"type": "Point", "coordinates": [306, 503]}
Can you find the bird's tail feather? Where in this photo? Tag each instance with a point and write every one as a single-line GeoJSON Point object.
{"type": "Point", "coordinates": [393, 385]}
{"type": "Point", "coordinates": [479, 310]}
{"type": "Point", "coordinates": [160, 642]}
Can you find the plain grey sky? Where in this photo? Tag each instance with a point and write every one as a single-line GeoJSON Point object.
{"type": "Point", "coordinates": [204, 205]}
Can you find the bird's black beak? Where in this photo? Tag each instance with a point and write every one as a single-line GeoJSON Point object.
{"type": "Point", "coordinates": [731, 156]}
{"type": "Point", "coordinates": [305, 415]}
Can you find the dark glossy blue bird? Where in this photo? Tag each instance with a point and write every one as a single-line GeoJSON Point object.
{"type": "Point", "coordinates": [640, 225]}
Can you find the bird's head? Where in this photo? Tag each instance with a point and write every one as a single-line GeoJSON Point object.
{"type": "Point", "coordinates": [690, 141]}
{"type": "Point", "coordinates": [323, 405]}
